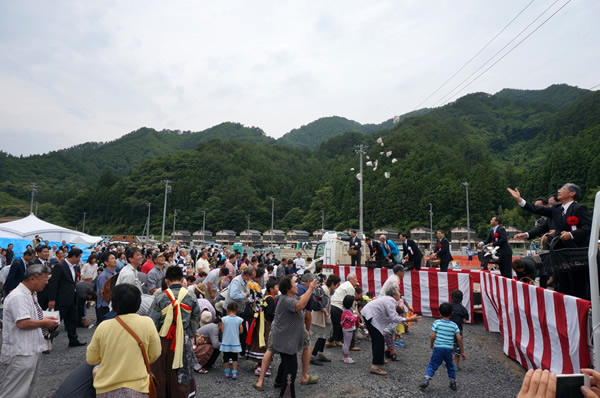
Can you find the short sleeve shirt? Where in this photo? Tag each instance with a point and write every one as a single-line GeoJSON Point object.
{"type": "Point", "coordinates": [301, 290]}
{"type": "Point", "coordinates": [287, 331]}
{"type": "Point", "coordinates": [213, 277]}
{"type": "Point", "coordinates": [231, 334]}
{"type": "Point", "coordinates": [459, 314]}
{"type": "Point", "coordinates": [444, 333]}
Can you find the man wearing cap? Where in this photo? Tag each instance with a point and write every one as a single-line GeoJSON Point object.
{"type": "Point", "coordinates": [155, 275]}
{"type": "Point", "coordinates": [394, 280]}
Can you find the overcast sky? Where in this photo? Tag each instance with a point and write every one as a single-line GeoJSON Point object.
{"type": "Point", "coordinates": [78, 71]}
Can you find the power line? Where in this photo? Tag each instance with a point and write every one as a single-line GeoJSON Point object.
{"type": "Point", "coordinates": [597, 85]}
{"type": "Point", "coordinates": [474, 56]}
{"type": "Point", "coordinates": [498, 52]}
{"type": "Point", "coordinates": [509, 51]}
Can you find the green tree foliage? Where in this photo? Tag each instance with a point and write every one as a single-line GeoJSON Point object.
{"type": "Point", "coordinates": [532, 140]}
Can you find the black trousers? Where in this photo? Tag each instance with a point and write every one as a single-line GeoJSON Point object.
{"type": "Point", "coordinates": [417, 262]}
{"type": "Point", "coordinates": [506, 265]}
{"type": "Point", "coordinates": [574, 283]}
{"type": "Point", "coordinates": [211, 361]}
{"type": "Point", "coordinates": [100, 313]}
{"type": "Point", "coordinates": [355, 260]}
{"type": "Point", "coordinates": [69, 316]}
{"type": "Point", "coordinates": [336, 322]}
{"type": "Point", "coordinates": [444, 266]}
{"type": "Point", "coordinates": [286, 374]}
{"type": "Point", "coordinates": [319, 346]}
{"type": "Point", "coordinates": [377, 343]}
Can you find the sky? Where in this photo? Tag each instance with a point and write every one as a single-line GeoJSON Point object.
{"type": "Point", "coordinates": [80, 71]}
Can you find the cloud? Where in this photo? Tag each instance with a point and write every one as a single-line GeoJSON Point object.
{"type": "Point", "coordinates": [80, 71]}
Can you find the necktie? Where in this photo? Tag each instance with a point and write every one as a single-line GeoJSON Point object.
{"type": "Point", "coordinates": [563, 211]}
{"type": "Point", "coordinates": [40, 314]}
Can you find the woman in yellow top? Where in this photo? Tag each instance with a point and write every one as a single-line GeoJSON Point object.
{"type": "Point", "coordinates": [122, 371]}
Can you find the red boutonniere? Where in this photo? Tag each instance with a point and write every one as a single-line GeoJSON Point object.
{"type": "Point", "coordinates": [496, 235]}
{"type": "Point", "coordinates": [573, 222]}
{"type": "Point", "coordinates": [439, 245]}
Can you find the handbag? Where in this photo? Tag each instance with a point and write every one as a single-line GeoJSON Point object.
{"type": "Point", "coordinates": [435, 261]}
{"type": "Point", "coordinates": [153, 380]}
{"type": "Point", "coordinates": [352, 252]}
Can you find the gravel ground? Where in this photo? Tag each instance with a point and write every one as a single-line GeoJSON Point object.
{"type": "Point", "coordinates": [487, 371]}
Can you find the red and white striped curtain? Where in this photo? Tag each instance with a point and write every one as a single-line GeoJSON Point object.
{"type": "Point", "coordinates": [540, 328]}
{"type": "Point", "coordinates": [424, 290]}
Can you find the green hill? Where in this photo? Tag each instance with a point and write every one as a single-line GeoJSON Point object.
{"type": "Point", "coordinates": [491, 141]}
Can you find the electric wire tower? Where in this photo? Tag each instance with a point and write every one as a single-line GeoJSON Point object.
{"type": "Point", "coordinates": [167, 191]}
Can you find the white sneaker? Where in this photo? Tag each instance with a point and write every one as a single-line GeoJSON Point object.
{"type": "Point", "coordinates": [348, 360]}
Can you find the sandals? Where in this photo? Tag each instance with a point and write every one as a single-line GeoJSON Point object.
{"type": "Point", "coordinates": [378, 371]}
{"type": "Point", "coordinates": [311, 380]}
{"type": "Point", "coordinates": [256, 387]}
{"type": "Point", "coordinates": [201, 371]}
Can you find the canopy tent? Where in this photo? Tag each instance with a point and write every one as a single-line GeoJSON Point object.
{"type": "Point", "coordinates": [30, 226]}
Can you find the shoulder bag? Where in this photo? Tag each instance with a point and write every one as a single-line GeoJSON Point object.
{"type": "Point", "coordinates": [153, 380]}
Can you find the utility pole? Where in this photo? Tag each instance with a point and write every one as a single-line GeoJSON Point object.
{"type": "Point", "coordinates": [431, 227]}
{"type": "Point", "coordinates": [174, 218]}
{"type": "Point", "coordinates": [466, 184]}
{"type": "Point", "coordinates": [203, 223]}
{"type": "Point", "coordinates": [83, 229]}
{"type": "Point", "coordinates": [272, 217]}
{"type": "Point", "coordinates": [148, 222]}
{"type": "Point", "coordinates": [36, 208]}
{"type": "Point", "coordinates": [167, 190]}
{"type": "Point", "coordinates": [33, 191]}
{"type": "Point", "coordinates": [361, 151]}
{"type": "Point", "coordinates": [248, 218]}
{"type": "Point", "coordinates": [323, 219]}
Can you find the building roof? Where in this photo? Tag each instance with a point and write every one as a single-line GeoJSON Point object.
{"type": "Point", "coordinates": [226, 231]}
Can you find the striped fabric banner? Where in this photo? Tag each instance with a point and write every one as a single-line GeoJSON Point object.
{"type": "Point", "coordinates": [424, 290]}
{"type": "Point", "coordinates": [540, 328]}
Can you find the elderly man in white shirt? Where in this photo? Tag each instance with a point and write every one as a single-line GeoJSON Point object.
{"type": "Point", "coordinates": [337, 307]}
{"type": "Point", "coordinates": [23, 333]}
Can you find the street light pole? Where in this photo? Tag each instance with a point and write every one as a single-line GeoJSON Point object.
{"type": "Point", "coordinates": [83, 229]}
{"type": "Point", "coordinates": [167, 190]}
{"type": "Point", "coordinates": [174, 218]}
{"type": "Point", "coordinates": [322, 220]}
{"type": "Point", "coordinates": [431, 227]}
{"type": "Point", "coordinates": [466, 184]}
{"type": "Point", "coordinates": [360, 151]}
{"type": "Point", "coordinates": [203, 223]}
{"type": "Point", "coordinates": [148, 222]}
{"type": "Point", "coordinates": [272, 217]}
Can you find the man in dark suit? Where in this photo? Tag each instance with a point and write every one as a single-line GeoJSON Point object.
{"type": "Point", "coordinates": [443, 251]}
{"type": "Point", "coordinates": [62, 294]}
{"type": "Point", "coordinates": [375, 252]}
{"type": "Point", "coordinates": [17, 272]}
{"type": "Point", "coordinates": [572, 223]}
{"type": "Point", "coordinates": [499, 238]}
{"type": "Point", "coordinates": [411, 253]}
{"type": "Point", "coordinates": [356, 245]}
{"type": "Point", "coordinates": [43, 257]}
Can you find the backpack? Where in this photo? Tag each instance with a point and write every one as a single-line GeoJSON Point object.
{"type": "Point", "coordinates": [108, 286]}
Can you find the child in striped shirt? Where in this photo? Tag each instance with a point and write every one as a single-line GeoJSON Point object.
{"type": "Point", "coordinates": [442, 342]}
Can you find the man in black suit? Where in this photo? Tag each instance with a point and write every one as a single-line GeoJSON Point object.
{"type": "Point", "coordinates": [62, 293]}
{"type": "Point", "coordinates": [17, 272]}
{"type": "Point", "coordinates": [411, 253]}
{"type": "Point", "coordinates": [499, 238]}
{"type": "Point", "coordinates": [43, 257]}
{"type": "Point", "coordinates": [572, 223]}
{"type": "Point", "coordinates": [375, 253]}
{"type": "Point", "coordinates": [443, 251]}
{"type": "Point", "coordinates": [356, 245]}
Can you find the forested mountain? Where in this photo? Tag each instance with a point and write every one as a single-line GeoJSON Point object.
{"type": "Point", "coordinates": [319, 131]}
{"type": "Point", "coordinates": [491, 141]}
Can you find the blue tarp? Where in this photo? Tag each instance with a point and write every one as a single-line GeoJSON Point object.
{"type": "Point", "coordinates": [20, 245]}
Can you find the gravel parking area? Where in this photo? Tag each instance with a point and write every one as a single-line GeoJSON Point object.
{"type": "Point", "coordinates": [487, 371]}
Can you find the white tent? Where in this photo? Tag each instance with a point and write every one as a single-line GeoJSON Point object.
{"type": "Point", "coordinates": [30, 226]}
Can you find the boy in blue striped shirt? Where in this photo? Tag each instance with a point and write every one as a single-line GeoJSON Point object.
{"type": "Point", "coordinates": [442, 343]}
